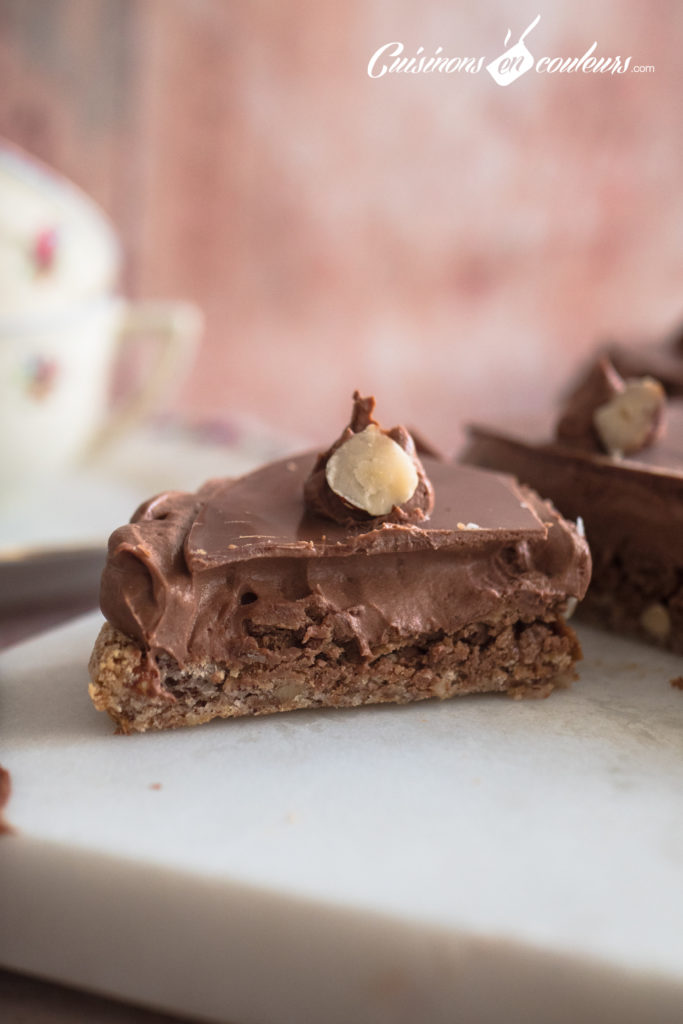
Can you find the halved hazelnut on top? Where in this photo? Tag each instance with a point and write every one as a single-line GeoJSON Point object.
{"type": "Point", "coordinates": [372, 472]}
{"type": "Point", "coordinates": [633, 419]}
{"type": "Point", "coordinates": [369, 475]}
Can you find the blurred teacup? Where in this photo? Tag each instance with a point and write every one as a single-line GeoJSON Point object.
{"type": "Point", "coordinates": [62, 326]}
{"type": "Point", "coordinates": [55, 381]}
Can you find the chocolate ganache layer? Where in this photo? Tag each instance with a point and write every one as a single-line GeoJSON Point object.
{"type": "Point", "coordinates": [190, 571]}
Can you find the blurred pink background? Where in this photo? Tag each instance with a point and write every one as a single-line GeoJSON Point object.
{"type": "Point", "coordinates": [454, 246]}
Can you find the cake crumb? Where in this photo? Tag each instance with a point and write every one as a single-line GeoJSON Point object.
{"type": "Point", "coordinates": [155, 785]}
{"type": "Point", "coordinates": [5, 792]}
{"type": "Point", "coordinates": [677, 683]}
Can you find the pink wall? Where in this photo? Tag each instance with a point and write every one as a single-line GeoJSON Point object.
{"type": "Point", "coordinates": [452, 245]}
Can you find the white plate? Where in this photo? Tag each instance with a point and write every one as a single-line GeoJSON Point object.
{"type": "Point", "coordinates": [475, 860]}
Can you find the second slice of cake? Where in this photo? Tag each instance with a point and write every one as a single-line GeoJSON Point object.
{"type": "Point", "coordinates": [308, 583]}
{"type": "Point", "coordinates": [615, 458]}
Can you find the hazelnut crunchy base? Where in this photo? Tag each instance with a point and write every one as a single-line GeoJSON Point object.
{"type": "Point", "coordinates": [631, 593]}
{"type": "Point", "coordinates": [285, 673]}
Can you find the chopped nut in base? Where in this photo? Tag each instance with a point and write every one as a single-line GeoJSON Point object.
{"type": "Point", "coordinates": [372, 472]}
{"type": "Point", "coordinates": [656, 621]}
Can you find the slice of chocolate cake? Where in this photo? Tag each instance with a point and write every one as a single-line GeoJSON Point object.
{"type": "Point", "coordinates": [359, 576]}
{"type": "Point", "coordinates": [614, 457]}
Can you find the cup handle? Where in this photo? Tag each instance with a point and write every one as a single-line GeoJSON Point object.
{"type": "Point", "coordinates": [176, 328]}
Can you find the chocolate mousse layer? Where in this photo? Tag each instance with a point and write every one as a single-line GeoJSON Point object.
{"type": "Point", "coordinates": [239, 600]}
{"type": "Point", "coordinates": [632, 508]}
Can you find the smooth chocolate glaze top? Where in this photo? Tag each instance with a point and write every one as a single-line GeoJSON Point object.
{"type": "Point", "coordinates": [193, 575]}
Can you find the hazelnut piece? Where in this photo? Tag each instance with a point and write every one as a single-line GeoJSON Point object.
{"type": "Point", "coordinates": [372, 472]}
{"type": "Point", "coordinates": [369, 476]}
{"type": "Point", "coordinates": [632, 419]}
{"type": "Point", "coordinates": [599, 385]}
{"type": "Point", "coordinates": [656, 621]}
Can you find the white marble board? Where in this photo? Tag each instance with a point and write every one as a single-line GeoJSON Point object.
{"type": "Point", "coordinates": [477, 860]}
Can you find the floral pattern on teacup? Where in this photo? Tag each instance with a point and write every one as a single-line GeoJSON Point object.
{"type": "Point", "coordinates": [39, 376]}
{"type": "Point", "coordinates": [44, 250]}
